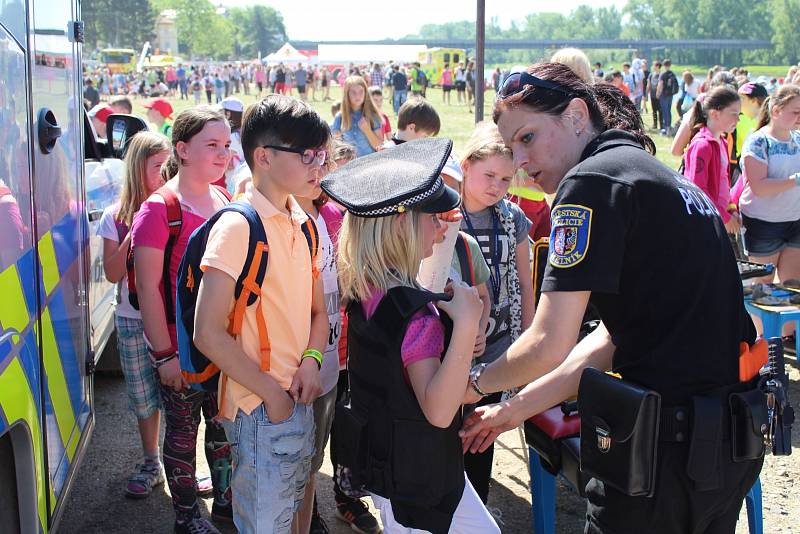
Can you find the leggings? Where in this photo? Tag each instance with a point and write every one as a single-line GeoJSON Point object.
{"type": "Point", "coordinates": [182, 413]}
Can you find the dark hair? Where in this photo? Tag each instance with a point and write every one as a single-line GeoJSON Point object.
{"type": "Point", "coordinates": [122, 101]}
{"type": "Point", "coordinates": [718, 98]}
{"type": "Point", "coordinates": [280, 119]}
{"type": "Point", "coordinates": [667, 63]}
{"type": "Point", "coordinates": [234, 119]}
{"type": "Point", "coordinates": [189, 123]}
{"type": "Point", "coordinates": [608, 107]}
{"type": "Point", "coordinates": [616, 74]}
{"type": "Point", "coordinates": [421, 113]}
{"type": "Point", "coordinates": [375, 90]}
{"type": "Point", "coordinates": [657, 64]}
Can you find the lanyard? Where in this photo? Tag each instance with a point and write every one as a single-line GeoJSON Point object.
{"type": "Point", "coordinates": [496, 253]}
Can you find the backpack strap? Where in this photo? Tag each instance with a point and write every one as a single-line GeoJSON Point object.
{"type": "Point", "coordinates": [465, 259]}
{"type": "Point", "coordinates": [224, 192]}
{"type": "Point", "coordinates": [174, 222]}
{"type": "Point", "coordinates": [248, 285]}
{"type": "Point", "coordinates": [312, 239]}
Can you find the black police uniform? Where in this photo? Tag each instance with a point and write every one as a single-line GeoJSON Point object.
{"type": "Point", "coordinates": [654, 253]}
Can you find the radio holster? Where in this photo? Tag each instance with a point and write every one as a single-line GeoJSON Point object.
{"type": "Point", "coordinates": [619, 432]}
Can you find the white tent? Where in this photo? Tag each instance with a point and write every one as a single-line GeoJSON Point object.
{"type": "Point", "coordinates": [286, 54]}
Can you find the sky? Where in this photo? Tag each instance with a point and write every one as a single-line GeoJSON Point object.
{"type": "Point", "coordinates": [373, 19]}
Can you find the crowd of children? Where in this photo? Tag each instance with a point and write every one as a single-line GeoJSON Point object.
{"type": "Point", "coordinates": [325, 239]}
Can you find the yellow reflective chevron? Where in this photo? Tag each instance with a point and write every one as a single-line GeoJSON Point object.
{"type": "Point", "coordinates": [19, 405]}
{"type": "Point", "coordinates": [57, 385]}
{"type": "Point", "coordinates": [47, 257]}
{"type": "Point", "coordinates": [526, 192]}
{"type": "Point", "coordinates": [14, 311]}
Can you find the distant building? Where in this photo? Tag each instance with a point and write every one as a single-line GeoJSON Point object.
{"type": "Point", "coordinates": [167, 32]}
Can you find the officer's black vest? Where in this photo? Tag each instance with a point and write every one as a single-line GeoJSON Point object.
{"type": "Point", "coordinates": [417, 466]}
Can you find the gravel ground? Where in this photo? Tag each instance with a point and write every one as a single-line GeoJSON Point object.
{"type": "Point", "coordinates": [96, 503]}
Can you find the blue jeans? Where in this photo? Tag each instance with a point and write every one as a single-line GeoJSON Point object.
{"type": "Point", "coordinates": [666, 111]}
{"type": "Point", "coordinates": [399, 98]}
{"type": "Point", "coordinates": [271, 463]}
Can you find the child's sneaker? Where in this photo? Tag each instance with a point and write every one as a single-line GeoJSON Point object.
{"type": "Point", "coordinates": [222, 513]}
{"type": "Point", "coordinates": [147, 476]}
{"type": "Point", "coordinates": [196, 525]}
{"type": "Point", "coordinates": [355, 513]}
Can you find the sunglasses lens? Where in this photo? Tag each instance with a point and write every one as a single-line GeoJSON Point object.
{"type": "Point", "coordinates": [510, 85]}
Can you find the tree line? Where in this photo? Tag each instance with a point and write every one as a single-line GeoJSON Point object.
{"type": "Point", "coordinates": [651, 19]}
{"type": "Point", "coordinates": [204, 31]}
{"type": "Point", "coordinates": [227, 33]}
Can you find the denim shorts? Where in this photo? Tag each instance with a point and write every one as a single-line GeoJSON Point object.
{"type": "Point", "coordinates": [764, 238]}
{"type": "Point", "coordinates": [141, 380]}
{"type": "Point", "coordinates": [271, 463]}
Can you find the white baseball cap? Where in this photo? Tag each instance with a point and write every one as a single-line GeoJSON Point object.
{"type": "Point", "coordinates": [232, 103]}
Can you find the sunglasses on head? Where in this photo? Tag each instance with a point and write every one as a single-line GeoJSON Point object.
{"type": "Point", "coordinates": [307, 155]}
{"type": "Point", "coordinates": [516, 83]}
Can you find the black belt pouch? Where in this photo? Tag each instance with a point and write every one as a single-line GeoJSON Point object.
{"type": "Point", "coordinates": [619, 432]}
{"type": "Point", "coordinates": [749, 423]}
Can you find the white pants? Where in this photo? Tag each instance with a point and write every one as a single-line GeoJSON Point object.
{"type": "Point", "coordinates": [471, 516]}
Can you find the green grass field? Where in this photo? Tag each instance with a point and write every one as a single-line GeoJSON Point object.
{"type": "Point", "coordinates": [457, 121]}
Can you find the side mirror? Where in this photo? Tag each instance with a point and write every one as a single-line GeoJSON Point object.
{"type": "Point", "coordinates": [120, 129]}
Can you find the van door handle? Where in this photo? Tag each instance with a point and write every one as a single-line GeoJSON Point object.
{"type": "Point", "coordinates": [7, 334]}
{"type": "Point", "coordinates": [48, 130]}
{"type": "Point", "coordinates": [95, 215]}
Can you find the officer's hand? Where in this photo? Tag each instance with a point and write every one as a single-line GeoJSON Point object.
{"type": "Point", "coordinates": [484, 426]}
{"type": "Point", "coordinates": [465, 305]}
{"type": "Point", "coordinates": [306, 384]}
{"type": "Point", "coordinates": [171, 376]}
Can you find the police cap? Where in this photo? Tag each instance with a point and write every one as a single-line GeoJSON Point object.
{"type": "Point", "coordinates": [395, 180]}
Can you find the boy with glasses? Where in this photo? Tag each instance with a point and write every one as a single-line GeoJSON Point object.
{"type": "Point", "coordinates": [269, 415]}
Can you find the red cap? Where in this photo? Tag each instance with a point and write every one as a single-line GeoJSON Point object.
{"type": "Point", "coordinates": [162, 106]}
{"type": "Point", "coordinates": [101, 112]}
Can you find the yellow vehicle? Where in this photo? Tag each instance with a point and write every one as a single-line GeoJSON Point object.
{"type": "Point", "coordinates": [433, 60]}
{"type": "Point", "coordinates": [160, 60]}
{"type": "Point", "coordinates": [119, 59]}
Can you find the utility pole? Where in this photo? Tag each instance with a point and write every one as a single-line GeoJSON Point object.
{"type": "Point", "coordinates": [480, 41]}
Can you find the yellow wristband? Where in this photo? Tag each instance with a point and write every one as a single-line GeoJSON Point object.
{"type": "Point", "coordinates": [313, 353]}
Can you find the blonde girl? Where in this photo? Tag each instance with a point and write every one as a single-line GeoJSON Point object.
{"type": "Point", "coordinates": [397, 340]}
{"type": "Point", "coordinates": [501, 229]}
{"type": "Point", "coordinates": [145, 155]}
{"type": "Point", "coordinates": [358, 123]}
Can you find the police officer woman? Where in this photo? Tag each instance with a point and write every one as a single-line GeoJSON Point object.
{"type": "Point", "coordinates": [652, 253]}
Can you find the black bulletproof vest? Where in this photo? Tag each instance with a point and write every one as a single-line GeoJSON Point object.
{"type": "Point", "coordinates": [417, 466]}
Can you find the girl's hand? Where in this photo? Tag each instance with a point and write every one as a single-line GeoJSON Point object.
{"type": "Point", "coordinates": [733, 224]}
{"type": "Point", "coordinates": [171, 376]}
{"type": "Point", "coordinates": [451, 216]}
{"type": "Point", "coordinates": [465, 305]}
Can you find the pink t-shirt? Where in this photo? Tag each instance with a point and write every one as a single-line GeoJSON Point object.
{"type": "Point", "coordinates": [425, 334]}
{"type": "Point", "coordinates": [447, 77]}
{"type": "Point", "coordinates": [150, 230]}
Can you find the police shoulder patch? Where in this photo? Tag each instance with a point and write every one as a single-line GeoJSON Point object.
{"type": "Point", "coordinates": [571, 227]}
